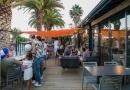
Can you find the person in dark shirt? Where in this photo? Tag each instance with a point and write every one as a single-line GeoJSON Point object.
{"type": "Point", "coordinates": [73, 51]}
{"type": "Point", "coordinates": [60, 51]}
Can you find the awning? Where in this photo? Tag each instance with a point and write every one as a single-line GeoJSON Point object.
{"type": "Point", "coordinates": [114, 33]}
{"type": "Point", "coordinates": [54, 33]}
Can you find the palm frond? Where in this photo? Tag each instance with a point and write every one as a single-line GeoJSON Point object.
{"type": "Point", "coordinates": [15, 32]}
{"type": "Point", "coordinates": [75, 13]}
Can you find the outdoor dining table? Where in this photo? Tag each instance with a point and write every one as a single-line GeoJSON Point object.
{"type": "Point", "coordinates": [20, 57]}
{"type": "Point", "coordinates": [100, 71]}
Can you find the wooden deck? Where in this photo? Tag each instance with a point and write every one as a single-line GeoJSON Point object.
{"type": "Point", "coordinates": [54, 80]}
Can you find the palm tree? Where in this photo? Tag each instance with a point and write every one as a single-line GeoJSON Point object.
{"type": "Point", "coordinates": [21, 39]}
{"type": "Point", "coordinates": [75, 13]}
{"type": "Point", "coordinates": [5, 20]}
{"type": "Point", "coordinates": [15, 33]}
{"type": "Point", "coordinates": [39, 6]}
{"type": "Point", "coordinates": [51, 19]}
{"type": "Point", "coordinates": [32, 20]}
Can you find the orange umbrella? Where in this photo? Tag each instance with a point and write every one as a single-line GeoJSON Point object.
{"type": "Point", "coordinates": [54, 33]}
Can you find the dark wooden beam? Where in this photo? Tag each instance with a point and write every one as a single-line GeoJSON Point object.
{"type": "Point", "coordinates": [120, 7]}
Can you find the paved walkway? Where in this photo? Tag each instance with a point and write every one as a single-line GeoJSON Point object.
{"type": "Point", "coordinates": [54, 80]}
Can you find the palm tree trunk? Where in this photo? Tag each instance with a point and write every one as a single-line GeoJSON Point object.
{"type": "Point", "coordinates": [39, 20]}
{"type": "Point", "coordinates": [5, 25]}
{"type": "Point", "coordinates": [47, 27]}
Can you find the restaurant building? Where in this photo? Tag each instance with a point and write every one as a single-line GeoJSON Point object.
{"type": "Point", "coordinates": [108, 29]}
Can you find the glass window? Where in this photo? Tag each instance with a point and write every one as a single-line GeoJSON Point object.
{"type": "Point", "coordinates": [104, 37]}
{"type": "Point", "coordinates": [118, 32]}
{"type": "Point", "coordinates": [95, 39]}
{"type": "Point", "coordinates": [117, 40]}
{"type": "Point", "coordinates": [128, 41]}
{"type": "Point", "coordinates": [113, 41]}
{"type": "Point", "coordinates": [128, 20]}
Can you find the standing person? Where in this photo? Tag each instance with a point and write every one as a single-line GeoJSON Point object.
{"type": "Point", "coordinates": [56, 46]}
{"type": "Point", "coordinates": [33, 42]}
{"type": "Point", "coordinates": [44, 53]}
{"type": "Point", "coordinates": [38, 62]}
{"type": "Point", "coordinates": [28, 71]}
{"type": "Point", "coordinates": [12, 52]}
{"type": "Point", "coordinates": [37, 52]}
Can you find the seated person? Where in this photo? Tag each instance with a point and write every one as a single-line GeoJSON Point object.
{"type": "Point", "coordinates": [79, 52]}
{"type": "Point", "coordinates": [12, 52]}
{"type": "Point", "coordinates": [84, 54]}
{"type": "Point", "coordinates": [87, 51]}
{"type": "Point", "coordinates": [73, 51]}
{"type": "Point", "coordinates": [67, 52]}
{"type": "Point", "coordinates": [60, 51]}
{"type": "Point", "coordinates": [7, 62]}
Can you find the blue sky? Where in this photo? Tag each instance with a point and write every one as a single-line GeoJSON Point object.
{"type": "Point", "coordinates": [20, 19]}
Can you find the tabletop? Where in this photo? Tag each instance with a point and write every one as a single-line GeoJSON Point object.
{"type": "Point", "coordinates": [108, 70]}
{"type": "Point", "coordinates": [20, 57]}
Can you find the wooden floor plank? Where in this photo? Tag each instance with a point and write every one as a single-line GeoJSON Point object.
{"type": "Point", "coordinates": [53, 79]}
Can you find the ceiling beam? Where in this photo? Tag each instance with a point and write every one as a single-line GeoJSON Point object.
{"type": "Point", "coordinates": [120, 7]}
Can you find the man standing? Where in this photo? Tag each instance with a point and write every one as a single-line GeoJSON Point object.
{"type": "Point", "coordinates": [56, 46]}
{"type": "Point", "coordinates": [37, 51]}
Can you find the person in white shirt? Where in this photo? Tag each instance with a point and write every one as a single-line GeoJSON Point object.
{"type": "Point", "coordinates": [28, 70]}
{"type": "Point", "coordinates": [56, 47]}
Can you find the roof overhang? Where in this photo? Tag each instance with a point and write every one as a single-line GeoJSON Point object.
{"type": "Point", "coordinates": [100, 9]}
